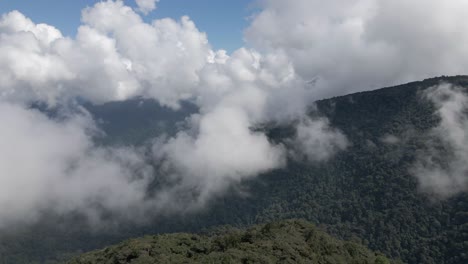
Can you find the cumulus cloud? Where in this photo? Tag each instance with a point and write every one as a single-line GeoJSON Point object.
{"type": "Point", "coordinates": [115, 56]}
{"type": "Point", "coordinates": [441, 168]}
{"type": "Point", "coordinates": [30, 71]}
{"type": "Point", "coordinates": [161, 60]}
{"type": "Point", "coordinates": [358, 45]}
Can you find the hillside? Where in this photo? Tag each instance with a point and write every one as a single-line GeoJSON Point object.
{"type": "Point", "coordinates": [280, 242]}
{"type": "Point", "coordinates": [365, 193]}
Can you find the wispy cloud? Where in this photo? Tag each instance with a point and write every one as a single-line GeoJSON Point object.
{"type": "Point", "coordinates": [442, 168]}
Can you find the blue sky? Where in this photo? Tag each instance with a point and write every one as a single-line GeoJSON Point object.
{"type": "Point", "coordinates": [223, 21]}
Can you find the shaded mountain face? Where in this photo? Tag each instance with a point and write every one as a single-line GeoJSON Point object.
{"type": "Point", "coordinates": [277, 242]}
{"type": "Point", "coordinates": [366, 193]}
{"type": "Point", "coordinates": [134, 121]}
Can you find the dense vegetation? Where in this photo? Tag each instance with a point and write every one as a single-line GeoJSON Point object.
{"type": "Point", "coordinates": [364, 194]}
{"type": "Point", "coordinates": [279, 242]}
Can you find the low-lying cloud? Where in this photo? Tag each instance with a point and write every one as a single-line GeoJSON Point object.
{"type": "Point", "coordinates": [316, 140]}
{"type": "Point", "coordinates": [442, 168]}
{"type": "Point", "coordinates": [54, 165]}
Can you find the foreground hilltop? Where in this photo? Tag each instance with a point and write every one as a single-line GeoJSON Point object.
{"type": "Point", "coordinates": [291, 241]}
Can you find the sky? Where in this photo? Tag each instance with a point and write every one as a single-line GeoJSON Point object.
{"type": "Point", "coordinates": [211, 16]}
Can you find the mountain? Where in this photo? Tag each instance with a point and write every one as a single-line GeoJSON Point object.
{"type": "Point", "coordinates": [279, 242]}
{"type": "Point", "coordinates": [136, 120]}
{"type": "Point", "coordinates": [365, 193]}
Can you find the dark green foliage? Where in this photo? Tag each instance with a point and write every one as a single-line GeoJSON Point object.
{"type": "Point", "coordinates": [136, 120]}
{"type": "Point", "coordinates": [292, 241]}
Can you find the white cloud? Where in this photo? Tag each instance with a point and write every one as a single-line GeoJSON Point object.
{"type": "Point", "coordinates": [54, 165]}
{"type": "Point", "coordinates": [223, 151]}
{"type": "Point", "coordinates": [30, 70]}
{"type": "Point", "coordinates": [114, 56]}
{"type": "Point", "coordinates": [363, 44]}
{"type": "Point", "coordinates": [315, 140]}
{"type": "Point", "coordinates": [146, 6]}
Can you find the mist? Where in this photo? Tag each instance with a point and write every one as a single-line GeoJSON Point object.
{"type": "Point", "coordinates": [55, 166]}
{"type": "Point", "coordinates": [441, 167]}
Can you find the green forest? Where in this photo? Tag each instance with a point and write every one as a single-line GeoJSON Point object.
{"type": "Point", "coordinates": [279, 242]}
{"type": "Point", "coordinates": [364, 195]}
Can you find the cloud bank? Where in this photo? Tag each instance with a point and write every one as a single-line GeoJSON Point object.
{"type": "Point", "coordinates": [54, 165]}
{"type": "Point", "coordinates": [348, 46]}
{"type": "Point", "coordinates": [116, 56]}
{"type": "Point", "coordinates": [299, 51]}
